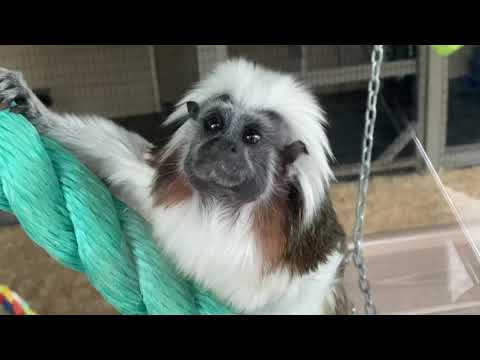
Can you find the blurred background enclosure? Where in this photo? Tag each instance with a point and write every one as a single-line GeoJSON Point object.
{"type": "Point", "coordinates": [419, 258]}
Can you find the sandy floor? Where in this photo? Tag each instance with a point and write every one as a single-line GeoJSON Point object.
{"type": "Point", "coordinates": [409, 202]}
{"type": "Point", "coordinates": [46, 286]}
{"type": "Point", "coordinates": [395, 203]}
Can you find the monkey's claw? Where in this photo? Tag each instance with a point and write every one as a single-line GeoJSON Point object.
{"type": "Point", "coordinates": [15, 94]}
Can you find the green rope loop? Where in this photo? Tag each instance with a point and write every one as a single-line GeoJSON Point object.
{"type": "Point", "coordinates": [65, 209]}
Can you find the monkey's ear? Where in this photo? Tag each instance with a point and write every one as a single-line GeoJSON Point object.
{"type": "Point", "coordinates": [293, 151]}
{"type": "Point", "coordinates": [193, 109]}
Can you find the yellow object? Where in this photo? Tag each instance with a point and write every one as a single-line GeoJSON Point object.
{"type": "Point", "coordinates": [447, 50]}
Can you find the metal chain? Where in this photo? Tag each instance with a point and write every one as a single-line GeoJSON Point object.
{"type": "Point", "coordinates": [370, 120]}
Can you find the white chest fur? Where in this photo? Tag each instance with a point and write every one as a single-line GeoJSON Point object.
{"type": "Point", "coordinates": [224, 258]}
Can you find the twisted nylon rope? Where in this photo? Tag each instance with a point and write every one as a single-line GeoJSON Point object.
{"type": "Point", "coordinates": [65, 209]}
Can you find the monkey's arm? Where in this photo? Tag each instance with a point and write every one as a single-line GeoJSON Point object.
{"type": "Point", "coordinates": [114, 154]}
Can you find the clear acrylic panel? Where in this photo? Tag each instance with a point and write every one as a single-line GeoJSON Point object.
{"type": "Point", "coordinates": [421, 244]}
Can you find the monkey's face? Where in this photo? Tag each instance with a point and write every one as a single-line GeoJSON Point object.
{"type": "Point", "coordinates": [235, 152]}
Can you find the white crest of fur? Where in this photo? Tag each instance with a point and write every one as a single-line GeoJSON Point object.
{"type": "Point", "coordinates": [258, 88]}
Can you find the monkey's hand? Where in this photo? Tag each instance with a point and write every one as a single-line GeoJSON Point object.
{"type": "Point", "coordinates": [16, 95]}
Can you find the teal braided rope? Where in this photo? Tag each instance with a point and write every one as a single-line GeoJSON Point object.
{"type": "Point", "coordinates": [66, 210]}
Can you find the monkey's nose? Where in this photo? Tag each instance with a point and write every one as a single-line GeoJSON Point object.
{"type": "Point", "coordinates": [227, 146]}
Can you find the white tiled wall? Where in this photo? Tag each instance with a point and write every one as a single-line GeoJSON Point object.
{"type": "Point", "coordinates": [177, 70]}
{"type": "Point", "coordinates": [110, 80]}
{"type": "Point", "coordinates": [117, 80]}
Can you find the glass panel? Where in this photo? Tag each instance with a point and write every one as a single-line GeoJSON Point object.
{"type": "Point", "coordinates": [422, 234]}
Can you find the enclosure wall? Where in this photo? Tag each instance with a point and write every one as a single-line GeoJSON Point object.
{"type": "Point", "coordinates": [110, 80]}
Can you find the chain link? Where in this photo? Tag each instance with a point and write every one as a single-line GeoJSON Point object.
{"type": "Point", "coordinates": [370, 120]}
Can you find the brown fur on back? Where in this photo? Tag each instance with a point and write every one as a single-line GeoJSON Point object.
{"type": "Point", "coordinates": [284, 241]}
{"type": "Point", "coordinates": [271, 229]}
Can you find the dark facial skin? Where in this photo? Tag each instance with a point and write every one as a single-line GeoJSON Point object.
{"type": "Point", "coordinates": [235, 152]}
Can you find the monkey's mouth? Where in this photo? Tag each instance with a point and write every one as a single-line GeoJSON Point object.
{"type": "Point", "coordinates": [220, 176]}
{"type": "Point", "coordinates": [228, 181]}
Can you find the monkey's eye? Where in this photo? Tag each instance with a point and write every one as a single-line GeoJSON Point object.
{"type": "Point", "coordinates": [252, 136]}
{"type": "Point", "coordinates": [214, 123]}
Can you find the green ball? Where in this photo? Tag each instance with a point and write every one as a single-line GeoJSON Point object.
{"type": "Point", "coordinates": [447, 50]}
